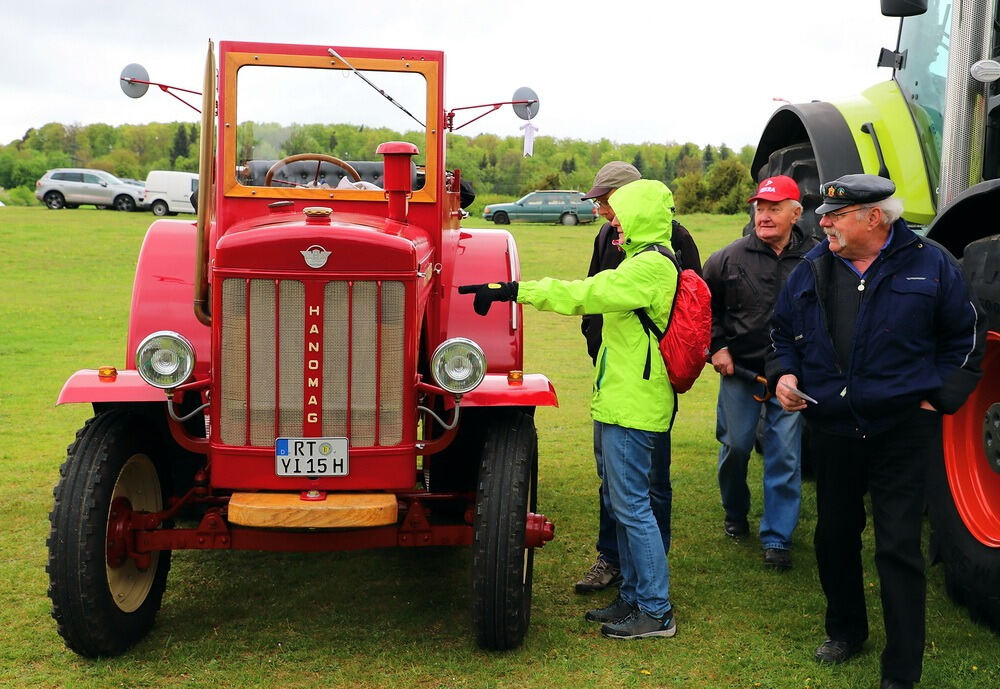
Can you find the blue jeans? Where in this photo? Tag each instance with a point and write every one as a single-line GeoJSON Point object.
{"type": "Point", "coordinates": [736, 428]}
{"type": "Point", "coordinates": [627, 460]}
{"type": "Point", "coordinates": [660, 497]}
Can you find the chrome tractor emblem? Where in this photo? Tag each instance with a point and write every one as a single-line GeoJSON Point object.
{"type": "Point", "coordinates": [315, 256]}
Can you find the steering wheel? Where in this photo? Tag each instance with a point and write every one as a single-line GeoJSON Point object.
{"type": "Point", "coordinates": [320, 158]}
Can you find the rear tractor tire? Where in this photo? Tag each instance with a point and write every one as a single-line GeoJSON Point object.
{"type": "Point", "coordinates": [963, 497]}
{"type": "Point", "coordinates": [502, 566]}
{"type": "Point", "coordinates": [102, 600]}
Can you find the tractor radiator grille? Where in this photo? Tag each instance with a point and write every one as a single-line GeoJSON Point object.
{"type": "Point", "coordinates": [264, 362]}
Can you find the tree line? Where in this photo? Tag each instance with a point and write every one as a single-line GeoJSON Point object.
{"type": "Point", "coordinates": [709, 179]}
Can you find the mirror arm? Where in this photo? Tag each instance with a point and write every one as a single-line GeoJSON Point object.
{"type": "Point", "coordinates": [493, 107]}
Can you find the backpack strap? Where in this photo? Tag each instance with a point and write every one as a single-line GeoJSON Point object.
{"type": "Point", "coordinates": [647, 323]}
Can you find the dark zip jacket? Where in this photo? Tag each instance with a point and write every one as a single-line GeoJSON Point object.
{"type": "Point", "coordinates": [919, 335]}
{"type": "Point", "coordinates": [745, 278]}
{"type": "Point", "coordinates": [607, 256]}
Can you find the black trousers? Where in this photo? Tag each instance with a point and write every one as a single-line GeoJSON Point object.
{"type": "Point", "coordinates": [892, 467]}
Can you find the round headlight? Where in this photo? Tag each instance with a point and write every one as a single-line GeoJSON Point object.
{"type": "Point", "coordinates": [164, 359]}
{"type": "Point", "coordinates": [458, 365]}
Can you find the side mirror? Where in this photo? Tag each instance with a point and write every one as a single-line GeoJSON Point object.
{"type": "Point", "coordinates": [903, 8]}
{"type": "Point", "coordinates": [134, 80]}
{"type": "Point", "coordinates": [525, 103]}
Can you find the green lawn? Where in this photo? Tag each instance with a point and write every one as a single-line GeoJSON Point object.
{"type": "Point", "coordinates": [400, 617]}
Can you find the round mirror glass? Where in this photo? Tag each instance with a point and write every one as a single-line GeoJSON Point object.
{"type": "Point", "coordinates": [525, 110]}
{"type": "Point", "coordinates": [131, 88]}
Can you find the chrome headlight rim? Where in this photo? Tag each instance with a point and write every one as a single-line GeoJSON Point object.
{"type": "Point", "coordinates": [155, 343]}
{"type": "Point", "coordinates": [477, 359]}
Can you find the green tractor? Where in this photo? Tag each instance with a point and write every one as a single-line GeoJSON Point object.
{"type": "Point", "coordinates": [934, 130]}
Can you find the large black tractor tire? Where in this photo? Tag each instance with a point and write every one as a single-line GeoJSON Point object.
{"type": "Point", "coordinates": [967, 484]}
{"type": "Point", "coordinates": [502, 566]}
{"type": "Point", "coordinates": [103, 607]}
{"type": "Point", "coordinates": [798, 162]}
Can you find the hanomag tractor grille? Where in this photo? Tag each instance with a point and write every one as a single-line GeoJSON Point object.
{"type": "Point", "coordinates": [264, 361]}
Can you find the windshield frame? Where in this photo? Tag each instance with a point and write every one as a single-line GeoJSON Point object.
{"type": "Point", "coordinates": [430, 70]}
{"type": "Point", "coordinates": [911, 30]}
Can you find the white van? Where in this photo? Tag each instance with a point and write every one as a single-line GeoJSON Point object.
{"type": "Point", "coordinates": [169, 192]}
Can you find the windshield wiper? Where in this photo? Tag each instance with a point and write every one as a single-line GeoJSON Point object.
{"type": "Point", "coordinates": [381, 92]}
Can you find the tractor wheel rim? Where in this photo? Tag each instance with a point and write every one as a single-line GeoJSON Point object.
{"type": "Point", "coordinates": [971, 438]}
{"type": "Point", "coordinates": [139, 484]}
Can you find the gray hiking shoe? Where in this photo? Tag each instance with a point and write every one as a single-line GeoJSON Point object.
{"type": "Point", "coordinates": [602, 575]}
{"type": "Point", "coordinates": [618, 610]}
{"type": "Point", "coordinates": [640, 625]}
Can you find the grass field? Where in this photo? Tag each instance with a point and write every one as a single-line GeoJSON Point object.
{"type": "Point", "coordinates": [398, 618]}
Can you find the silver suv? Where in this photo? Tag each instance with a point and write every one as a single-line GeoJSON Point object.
{"type": "Point", "coordinates": [71, 187]}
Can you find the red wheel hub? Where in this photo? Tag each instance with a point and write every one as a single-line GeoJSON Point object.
{"type": "Point", "coordinates": [119, 518]}
{"type": "Point", "coordinates": [971, 449]}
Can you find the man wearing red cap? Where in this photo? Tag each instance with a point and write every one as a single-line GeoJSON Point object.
{"type": "Point", "coordinates": [745, 278]}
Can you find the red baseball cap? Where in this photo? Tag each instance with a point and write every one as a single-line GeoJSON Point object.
{"type": "Point", "coordinates": [777, 188]}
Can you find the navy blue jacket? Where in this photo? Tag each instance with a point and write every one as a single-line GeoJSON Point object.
{"type": "Point", "coordinates": [919, 335]}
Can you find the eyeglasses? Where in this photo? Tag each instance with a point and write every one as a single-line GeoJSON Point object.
{"type": "Point", "coordinates": [840, 214]}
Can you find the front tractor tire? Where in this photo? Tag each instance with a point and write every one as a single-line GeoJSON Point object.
{"type": "Point", "coordinates": [963, 497]}
{"type": "Point", "coordinates": [502, 566]}
{"type": "Point", "coordinates": [102, 601]}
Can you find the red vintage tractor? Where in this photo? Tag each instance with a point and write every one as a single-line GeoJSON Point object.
{"type": "Point", "coordinates": [328, 389]}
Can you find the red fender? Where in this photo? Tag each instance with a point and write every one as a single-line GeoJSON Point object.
{"type": "Point", "coordinates": [163, 291]}
{"type": "Point", "coordinates": [534, 390]}
{"type": "Point", "coordinates": [485, 256]}
{"type": "Point", "coordinates": [127, 386]}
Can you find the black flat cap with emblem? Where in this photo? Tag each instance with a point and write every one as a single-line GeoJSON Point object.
{"type": "Point", "coordinates": [851, 190]}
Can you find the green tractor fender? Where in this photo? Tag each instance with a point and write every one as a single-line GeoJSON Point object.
{"type": "Point", "coordinates": [874, 133]}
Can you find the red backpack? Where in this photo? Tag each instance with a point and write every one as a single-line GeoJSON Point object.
{"type": "Point", "coordinates": [684, 345]}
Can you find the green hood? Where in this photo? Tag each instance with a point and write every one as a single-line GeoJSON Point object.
{"type": "Point", "coordinates": [644, 209]}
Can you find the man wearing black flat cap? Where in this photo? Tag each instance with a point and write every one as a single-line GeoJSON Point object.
{"type": "Point", "coordinates": [875, 336]}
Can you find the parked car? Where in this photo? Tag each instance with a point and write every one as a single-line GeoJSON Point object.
{"type": "Point", "coordinates": [72, 187]}
{"type": "Point", "coordinates": [169, 192]}
{"type": "Point", "coordinates": [556, 206]}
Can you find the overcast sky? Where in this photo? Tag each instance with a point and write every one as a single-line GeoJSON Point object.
{"type": "Point", "coordinates": [630, 71]}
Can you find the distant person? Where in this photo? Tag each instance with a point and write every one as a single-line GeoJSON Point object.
{"type": "Point", "coordinates": [634, 411]}
{"type": "Point", "coordinates": [878, 327]}
{"type": "Point", "coordinates": [194, 200]}
{"type": "Point", "coordinates": [745, 278]}
{"type": "Point", "coordinates": [608, 255]}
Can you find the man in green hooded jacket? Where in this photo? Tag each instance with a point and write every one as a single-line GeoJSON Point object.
{"type": "Point", "coordinates": [634, 410]}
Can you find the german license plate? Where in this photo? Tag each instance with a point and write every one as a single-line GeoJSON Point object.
{"type": "Point", "coordinates": [311, 456]}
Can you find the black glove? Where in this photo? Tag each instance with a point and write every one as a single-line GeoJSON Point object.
{"type": "Point", "coordinates": [488, 293]}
